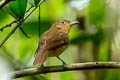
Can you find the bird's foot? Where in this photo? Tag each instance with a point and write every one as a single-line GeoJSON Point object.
{"type": "Point", "coordinates": [42, 65]}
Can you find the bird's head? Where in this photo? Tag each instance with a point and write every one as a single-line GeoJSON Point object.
{"type": "Point", "coordinates": [65, 24]}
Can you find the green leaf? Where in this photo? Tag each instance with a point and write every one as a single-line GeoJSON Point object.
{"type": "Point", "coordinates": [8, 10]}
{"type": "Point", "coordinates": [17, 8]}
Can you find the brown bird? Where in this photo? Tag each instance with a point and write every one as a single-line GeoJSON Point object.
{"type": "Point", "coordinates": [54, 41]}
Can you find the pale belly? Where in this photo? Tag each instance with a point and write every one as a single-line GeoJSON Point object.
{"type": "Point", "coordinates": [57, 51]}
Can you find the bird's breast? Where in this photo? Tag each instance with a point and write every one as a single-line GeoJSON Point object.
{"type": "Point", "coordinates": [57, 51]}
{"type": "Point", "coordinates": [60, 43]}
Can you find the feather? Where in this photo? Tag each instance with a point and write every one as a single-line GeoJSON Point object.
{"type": "Point", "coordinates": [41, 54]}
{"type": "Point", "coordinates": [50, 40]}
{"type": "Point", "coordinates": [41, 57]}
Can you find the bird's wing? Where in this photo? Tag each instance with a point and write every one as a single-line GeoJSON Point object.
{"type": "Point", "coordinates": [57, 41]}
{"type": "Point", "coordinates": [49, 42]}
{"type": "Point", "coordinates": [41, 52]}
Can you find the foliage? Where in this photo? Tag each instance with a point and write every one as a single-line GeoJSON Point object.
{"type": "Point", "coordinates": [96, 42]}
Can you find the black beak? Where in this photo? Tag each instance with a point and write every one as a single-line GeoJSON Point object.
{"type": "Point", "coordinates": [74, 22]}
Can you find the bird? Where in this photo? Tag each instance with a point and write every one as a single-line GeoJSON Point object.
{"type": "Point", "coordinates": [53, 42]}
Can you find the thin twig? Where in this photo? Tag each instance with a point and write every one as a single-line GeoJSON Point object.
{"type": "Point", "coordinates": [8, 25]}
{"type": "Point", "coordinates": [24, 32]}
{"type": "Point", "coordinates": [41, 2]}
{"type": "Point", "coordinates": [13, 30]}
{"type": "Point", "coordinates": [29, 9]}
{"type": "Point", "coordinates": [62, 68]}
{"type": "Point", "coordinates": [29, 13]}
{"type": "Point", "coordinates": [19, 23]}
{"type": "Point", "coordinates": [4, 2]}
{"type": "Point", "coordinates": [39, 22]}
{"type": "Point", "coordinates": [15, 21]}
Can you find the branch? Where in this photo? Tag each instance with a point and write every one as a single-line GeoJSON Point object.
{"type": "Point", "coordinates": [4, 2]}
{"type": "Point", "coordinates": [39, 22]}
{"type": "Point", "coordinates": [14, 29]}
{"type": "Point", "coordinates": [24, 32]}
{"type": "Point", "coordinates": [14, 21]}
{"type": "Point", "coordinates": [20, 21]}
{"type": "Point", "coordinates": [61, 68]}
{"type": "Point", "coordinates": [8, 25]}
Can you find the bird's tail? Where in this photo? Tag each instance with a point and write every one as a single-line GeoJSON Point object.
{"type": "Point", "coordinates": [40, 57]}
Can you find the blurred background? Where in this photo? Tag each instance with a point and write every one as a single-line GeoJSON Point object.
{"type": "Point", "coordinates": [96, 38]}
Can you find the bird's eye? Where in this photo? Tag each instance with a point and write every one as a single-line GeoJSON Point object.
{"type": "Point", "coordinates": [62, 22]}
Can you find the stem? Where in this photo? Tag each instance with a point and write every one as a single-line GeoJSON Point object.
{"type": "Point", "coordinates": [20, 21]}
{"type": "Point", "coordinates": [39, 22]}
{"type": "Point", "coordinates": [4, 2]}
{"type": "Point", "coordinates": [62, 68]}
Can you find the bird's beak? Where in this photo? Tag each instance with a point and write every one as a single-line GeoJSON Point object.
{"type": "Point", "coordinates": [74, 22]}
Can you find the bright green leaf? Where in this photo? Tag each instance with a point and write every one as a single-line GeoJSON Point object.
{"type": "Point", "coordinates": [17, 8]}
